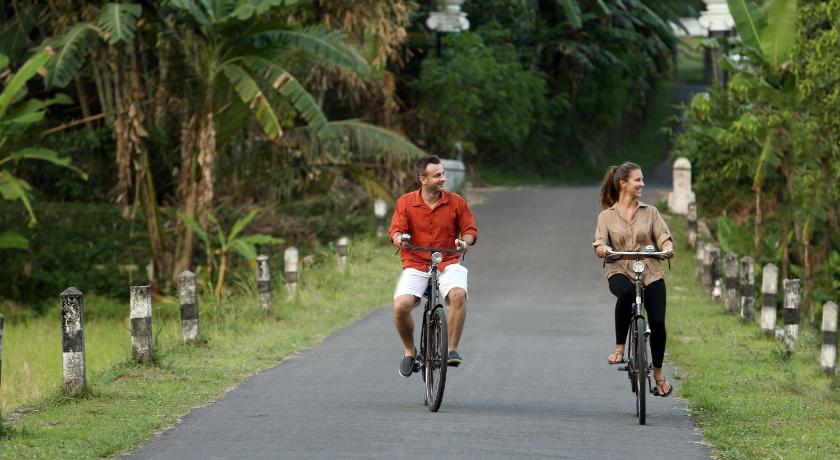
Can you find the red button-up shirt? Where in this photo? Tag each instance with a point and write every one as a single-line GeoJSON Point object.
{"type": "Point", "coordinates": [451, 218]}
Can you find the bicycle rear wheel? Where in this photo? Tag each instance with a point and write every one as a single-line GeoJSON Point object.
{"type": "Point", "coordinates": [437, 350]}
{"type": "Point", "coordinates": [640, 356]}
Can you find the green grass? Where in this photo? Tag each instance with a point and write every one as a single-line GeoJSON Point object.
{"type": "Point", "coordinates": [749, 397]}
{"type": "Point", "coordinates": [127, 403]}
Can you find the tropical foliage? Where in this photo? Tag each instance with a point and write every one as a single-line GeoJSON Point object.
{"type": "Point", "coordinates": [17, 116]}
{"type": "Point", "coordinates": [765, 148]}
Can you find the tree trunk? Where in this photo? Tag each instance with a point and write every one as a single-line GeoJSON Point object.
{"type": "Point", "coordinates": [758, 222]}
{"type": "Point", "coordinates": [221, 280]}
{"type": "Point", "coordinates": [806, 281]}
{"type": "Point", "coordinates": [785, 250]}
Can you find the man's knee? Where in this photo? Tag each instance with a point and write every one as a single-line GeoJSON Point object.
{"type": "Point", "coordinates": [457, 297]}
{"type": "Point", "coordinates": [403, 304]}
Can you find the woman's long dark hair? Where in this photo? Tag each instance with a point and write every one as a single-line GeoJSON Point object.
{"type": "Point", "coordinates": [610, 187]}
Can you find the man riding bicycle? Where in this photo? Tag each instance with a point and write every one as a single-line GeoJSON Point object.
{"type": "Point", "coordinates": [433, 217]}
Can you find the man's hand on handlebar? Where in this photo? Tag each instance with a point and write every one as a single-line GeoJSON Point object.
{"type": "Point", "coordinates": [464, 244]}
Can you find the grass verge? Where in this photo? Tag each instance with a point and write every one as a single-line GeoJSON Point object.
{"type": "Point", "coordinates": [127, 403]}
{"type": "Point", "coordinates": [749, 397]}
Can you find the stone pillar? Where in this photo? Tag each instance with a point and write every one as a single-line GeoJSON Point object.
{"type": "Point", "coordinates": [747, 279]}
{"type": "Point", "coordinates": [73, 361]}
{"type": "Point", "coordinates": [769, 291]}
{"type": "Point", "coordinates": [681, 195]}
{"type": "Point", "coordinates": [731, 297]}
{"type": "Point", "coordinates": [828, 354]}
{"type": "Point", "coordinates": [264, 282]}
{"type": "Point", "coordinates": [692, 223]}
{"type": "Point", "coordinates": [142, 346]}
{"type": "Point", "coordinates": [290, 269]}
{"type": "Point", "coordinates": [341, 252]}
{"type": "Point", "coordinates": [380, 209]}
{"type": "Point", "coordinates": [716, 272]}
{"type": "Point", "coordinates": [792, 312]}
{"type": "Point", "coordinates": [700, 258]}
{"type": "Point", "coordinates": [708, 265]}
{"type": "Point", "coordinates": [187, 292]}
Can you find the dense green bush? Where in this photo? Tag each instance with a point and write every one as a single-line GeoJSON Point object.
{"type": "Point", "coordinates": [88, 246]}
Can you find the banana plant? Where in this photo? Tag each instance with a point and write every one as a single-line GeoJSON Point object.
{"type": "Point", "coordinates": [17, 115]}
{"type": "Point", "coordinates": [223, 244]}
{"type": "Point", "coordinates": [768, 38]}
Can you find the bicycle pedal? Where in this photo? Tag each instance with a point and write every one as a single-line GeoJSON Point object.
{"type": "Point", "coordinates": [623, 369]}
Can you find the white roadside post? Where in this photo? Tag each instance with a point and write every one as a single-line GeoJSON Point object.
{"type": "Point", "coordinates": [73, 361]}
{"type": "Point", "coordinates": [142, 345]}
{"type": "Point", "coordinates": [380, 209]}
{"type": "Point", "coordinates": [681, 196]}
{"type": "Point", "coordinates": [828, 354]}
{"type": "Point", "coordinates": [341, 252]}
{"type": "Point", "coordinates": [792, 312]}
{"type": "Point", "coordinates": [769, 292]}
{"type": "Point", "coordinates": [187, 293]}
{"type": "Point", "coordinates": [290, 270]}
{"type": "Point", "coordinates": [264, 282]}
{"type": "Point", "coordinates": [747, 288]}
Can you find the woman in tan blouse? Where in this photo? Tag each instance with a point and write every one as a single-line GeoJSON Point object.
{"type": "Point", "coordinates": [627, 224]}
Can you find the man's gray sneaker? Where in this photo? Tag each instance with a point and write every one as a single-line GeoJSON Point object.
{"type": "Point", "coordinates": [407, 366]}
{"type": "Point", "coordinates": [454, 359]}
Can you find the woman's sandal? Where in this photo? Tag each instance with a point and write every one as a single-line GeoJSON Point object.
{"type": "Point", "coordinates": [670, 388]}
{"type": "Point", "coordinates": [619, 354]}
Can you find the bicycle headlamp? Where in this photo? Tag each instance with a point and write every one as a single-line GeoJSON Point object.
{"type": "Point", "coordinates": [638, 266]}
{"type": "Point", "coordinates": [437, 257]}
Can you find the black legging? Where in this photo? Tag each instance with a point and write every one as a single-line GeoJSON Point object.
{"type": "Point", "coordinates": [654, 300]}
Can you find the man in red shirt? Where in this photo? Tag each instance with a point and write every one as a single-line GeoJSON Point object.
{"type": "Point", "coordinates": [433, 217]}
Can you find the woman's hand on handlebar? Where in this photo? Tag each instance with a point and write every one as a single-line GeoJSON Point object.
{"type": "Point", "coordinates": [602, 251]}
{"type": "Point", "coordinates": [668, 249]}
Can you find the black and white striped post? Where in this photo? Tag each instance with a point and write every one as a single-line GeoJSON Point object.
{"type": "Point", "coordinates": [706, 276]}
{"type": "Point", "coordinates": [380, 209]}
{"type": "Point", "coordinates": [341, 252]}
{"type": "Point", "coordinates": [747, 278]}
{"type": "Point", "coordinates": [792, 312]}
{"type": "Point", "coordinates": [187, 292]}
{"type": "Point", "coordinates": [731, 298]}
{"type": "Point", "coordinates": [73, 360]}
{"type": "Point", "coordinates": [828, 354]}
{"type": "Point", "coordinates": [290, 270]}
{"type": "Point", "coordinates": [264, 282]}
{"type": "Point", "coordinates": [700, 258]}
{"type": "Point", "coordinates": [692, 223]}
{"type": "Point", "coordinates": [769, 293]}
{"type": "Point", "coordinates": [2, 329]}
{"type": "Point", "coordinates": [716, 272]}
{"type": "Point", "coordinates": [142, 346]}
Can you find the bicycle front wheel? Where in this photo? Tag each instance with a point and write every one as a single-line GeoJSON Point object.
{"type": "Point", "coordinates": [436, 353]}
{"type": "Point", "coordinates": [640, 355]}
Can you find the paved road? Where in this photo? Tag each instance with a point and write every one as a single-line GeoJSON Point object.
{"type": "Point", "coordinates": [534, 383]}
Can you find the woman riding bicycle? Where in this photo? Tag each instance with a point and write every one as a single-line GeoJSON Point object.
{"type": "Point", "coordinates": [627, 224]}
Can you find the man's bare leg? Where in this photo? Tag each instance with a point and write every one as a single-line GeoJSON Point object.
{"type": "Point", "coordinates": [457, 315]}
{"type": "Point", "coordinates": [405, 324]}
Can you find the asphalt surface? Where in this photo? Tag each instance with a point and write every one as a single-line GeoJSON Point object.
{"type": "Point", "coordinates": [534, 383]}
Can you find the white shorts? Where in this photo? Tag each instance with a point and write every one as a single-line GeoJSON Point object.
{"type": "Point", "coordinates": [414, 282]}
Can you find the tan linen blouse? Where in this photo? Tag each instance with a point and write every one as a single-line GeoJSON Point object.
{"type": "Point", "coordinates": [646, 227]}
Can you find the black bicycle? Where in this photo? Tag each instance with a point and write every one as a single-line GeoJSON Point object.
{"type": "Point", "coordinates": [637, 365]}
{"type": "Point", "coordinates": [434, 337]}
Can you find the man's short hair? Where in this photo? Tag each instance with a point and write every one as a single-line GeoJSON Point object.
{"type": "Point", "coordinates": [425, 161]}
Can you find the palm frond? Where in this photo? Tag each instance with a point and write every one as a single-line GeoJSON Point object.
{"type": "Point", "coordinates": [323, 45]}
{"type": "Point", "coordinates": [119, 21]}
{"type": "Point", "coordinates": [371, 141]}
{"type": "Point", "coordinates": [242, 223]}
{"type": "Point", "coordinates": [70, 52]}
{"type": "Point", "coordinates": [749, 21]}
{"type": "Point", "coordinates": [245, 10]}
{"type": "Point", "coordinates": [12, 240]}
{"type": "Point", "coordinates": [288, 86]}
{"type": "Point", "coordinates": [251, 93]}
{"type": "Point", "coordinates": [194, 10]}
{"type": "Point", "coordinates": [779, 36]}
{"type": "Point", "coordinates": [572, 11]}
{"type": "Point", "coordinates": [18, 82]}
